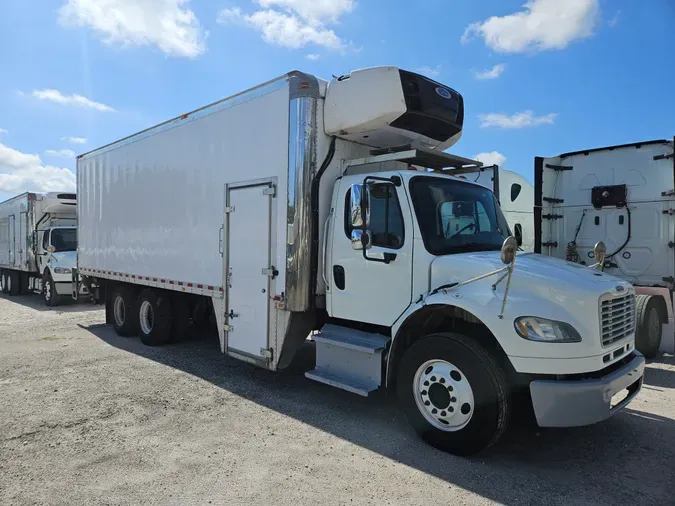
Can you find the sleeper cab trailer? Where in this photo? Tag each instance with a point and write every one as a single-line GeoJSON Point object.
{"type": "Point", "coordinates": [622, 195]}
{"type": "Point", "coordinates": [302, 205]}
{"type": "Point", "coordinates": [37, 244]}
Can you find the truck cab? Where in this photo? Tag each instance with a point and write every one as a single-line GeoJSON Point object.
{"type": "Point", "coordinates": [56, 258]}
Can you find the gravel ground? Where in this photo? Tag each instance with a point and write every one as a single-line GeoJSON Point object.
{"type": "Point", "coordinates": [87, 417]}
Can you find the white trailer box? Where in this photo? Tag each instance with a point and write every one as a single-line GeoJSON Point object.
{"type": "Point", "coordinates": [31, 225]}
{"type": "Point", "coordinates": [625, 196]}
{"type": "Point", "coordinates": [303, 205]}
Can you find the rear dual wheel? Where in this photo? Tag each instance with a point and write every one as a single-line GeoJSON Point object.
{"type": "Point", "coordinates": [10, 282]}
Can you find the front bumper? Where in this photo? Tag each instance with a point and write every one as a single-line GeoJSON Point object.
{"type": "Point", "coordinates": [571, 403]}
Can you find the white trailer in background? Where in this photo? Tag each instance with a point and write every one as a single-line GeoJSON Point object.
{"type": "Point", "coordinates": [516, 199]}
{"type": "Point", "coordinates": [38, 240]}
{"type": "Point", "coordinates": [624, 196]}
{"type": "Point", "coordinates": [303, 205]}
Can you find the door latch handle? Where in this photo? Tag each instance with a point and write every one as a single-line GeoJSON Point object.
{"type": "Point", "coordinates": [232, 314]}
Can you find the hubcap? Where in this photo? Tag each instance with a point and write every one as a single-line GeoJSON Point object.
{"type": "Point", "coordinates": [147, 317]}
{"type": "Point", "coordinates": [48, 290]}
{"type": "Point", "coordinates": [9, 283]}
{"type": "Point", "coordinates": [654, 323]}
{"type": "Point", "coordinates": [443, 395]}
{"type": "Point", "coordinates": [119, 310]}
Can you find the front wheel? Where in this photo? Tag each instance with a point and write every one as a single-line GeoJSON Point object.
{"type": "Point", "coordinates": [453, 393]}
{"type": "Point", "coordinates": [49, 290]}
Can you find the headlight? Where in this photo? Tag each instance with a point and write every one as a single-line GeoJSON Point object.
{"type": "Point", "coordinates": [61, 270]}
{"type": "Point", "coordinates": [548, 331]}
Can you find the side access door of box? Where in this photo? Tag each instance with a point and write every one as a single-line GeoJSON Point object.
{"type": "Point", "coordinates": [247, 270]}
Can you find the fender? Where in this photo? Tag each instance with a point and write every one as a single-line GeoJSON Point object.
{"type": "Point", "coordinates": [473, 302]}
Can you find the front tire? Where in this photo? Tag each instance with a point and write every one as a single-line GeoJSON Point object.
{"type": "Point", "coordinates": [154, 318]}
{"type": "Point", "coordinates": [454, 394]}
{"type": "Point", "coordinates": [649, 327]}
{"type": "Point", "coordinates": [49, 290]}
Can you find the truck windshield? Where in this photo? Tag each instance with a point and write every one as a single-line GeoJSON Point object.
{"type": "Point", "coordinates": [457, 217]}
{"type": "Point", "coordinates": [64, 239]}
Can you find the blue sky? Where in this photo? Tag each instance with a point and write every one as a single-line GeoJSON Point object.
{"type": "Point", "coordinates": [538, 78]}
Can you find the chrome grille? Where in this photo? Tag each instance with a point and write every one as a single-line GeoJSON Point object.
{"type": "Point", "coordinates": [617, 316]}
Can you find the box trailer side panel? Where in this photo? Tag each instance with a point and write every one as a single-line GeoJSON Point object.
{"type": "Point", "coordinates": [152, 206]}
{"type": "Point", "coordinates": [15, 233]}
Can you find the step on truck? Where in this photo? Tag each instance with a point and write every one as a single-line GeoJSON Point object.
{"type": "Point", "coordinates": [38, 242]}
{"type": "Point", "coordinates": [623, 196]}
{"type": "Point", "coordinates": [303, 207]}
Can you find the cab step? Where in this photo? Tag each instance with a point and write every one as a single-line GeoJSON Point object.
{"type": "Point", "coordinates": [349, 359]}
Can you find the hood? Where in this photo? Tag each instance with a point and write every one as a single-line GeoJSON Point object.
{"type": "Point", "coordinates": [532, 272]}
{"type": "Point", "coordinates": [64, 259]}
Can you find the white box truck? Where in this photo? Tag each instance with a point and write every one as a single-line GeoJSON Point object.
{"type": "Point", "coordinates": [624, 196]}
{"type": "Point", "coordinates": [329, 208]}
{"type": "Point", "coordinates": [38, 241]}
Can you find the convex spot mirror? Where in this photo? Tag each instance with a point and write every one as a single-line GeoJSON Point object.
{"type": "Point", "coordinates": [509, 248]}
{"type": "Point", "coordinates": [51, 249]}
{"type": "Point", "coordinates": [600, 252]}
{"type": "Point", "coordinates": [361, 239]}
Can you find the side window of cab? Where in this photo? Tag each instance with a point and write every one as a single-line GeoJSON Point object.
{"type": "Point", "coordinates": [386, 218]}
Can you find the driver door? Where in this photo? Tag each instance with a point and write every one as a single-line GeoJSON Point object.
{"type": "Point", "coordinates": [365, 289]}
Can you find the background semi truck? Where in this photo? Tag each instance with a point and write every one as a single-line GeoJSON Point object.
{"type": "Point", "coordinates": [38, 242]}
{"type": "Point", "coordinates": [624, 196]}
{"type": "Point", "coordinates": [305, 207]}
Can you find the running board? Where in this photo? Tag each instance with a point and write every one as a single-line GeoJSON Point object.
{"type": "Point", "coordinates": [349, 359]}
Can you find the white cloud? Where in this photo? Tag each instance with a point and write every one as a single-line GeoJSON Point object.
{"type": "Point", "coordinates": [167, 24]}
{"type": "Point", "coordinates": [65, 153]}
{"type": "Point", "coordinates": [21, 172]}
{"type": "Point", "coordinates": [312, 56]}
{"type": "Point", "coordinates": [541, 25]}
{"type": "Point", "coordinates": [75, 140]}
{"type": "Point", "coordinates": [428, 71]}
{"type": "Point", "coordinates": [77, 100]}
{"type": "Point", "coordinates": [491, 158]}
{"type": "Point", "coordinates": [3, 131]}
{"type": "Point", "coordinates": [492, 73]}
{"type": "Point", "coordinates": [320, 11]}
{"type": "Point", "coordinates": [517, 120]}
{"type": "Point", "coordinates": [615, 19]}
{"type": "Point", "coordinates": [293, 23]}
{"type": "Point", "coordinates": [283, 29]}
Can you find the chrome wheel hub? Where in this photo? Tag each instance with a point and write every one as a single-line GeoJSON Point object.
{"type": "Point", "coordinates": [119, 311]}
{"type": "Point", "coordinates": [146, 317]}
{"type": "Point", "coordinates": [443, 395]}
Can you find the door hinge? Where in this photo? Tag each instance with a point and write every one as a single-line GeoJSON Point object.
{"type": "Point", "coordinates": [553, 200]}
{"type": "Point", "coordinates": [553, 244]}
{"type": "Point", "coordinates": [664, 156]}
{"type": "Point", "coordinates": [669, 279]}
{"type": "Point", "coordinates": [552, 216]}
{"type": "Point", "coordinates": [271, 272]}
{"type": "Point", "coordinates": [268, 353]}
{"type": "Point", "coordinates": [229, 209]}
{"type": "Point", "coordinates": [671, 244]}
{"type": "Point", "coordinates": [669, 193]}
{"type": "Point", "coordinates": [668, 211]}
{"type": "Point", "coordinates": [228, 328]}
{"type": "Point", "coordinates": [558, 167]}
{"type": "Point", "coordinates": [271, 191]}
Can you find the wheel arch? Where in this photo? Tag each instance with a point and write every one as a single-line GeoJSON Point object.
{"type": "Point", "coordinates": [441, 317]}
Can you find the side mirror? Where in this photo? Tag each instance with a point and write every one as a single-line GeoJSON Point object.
{"type": "Point", "coordinates": [360, 206]}
{"type": "Point", "coordinates": [51, 249]}
{"type": "Point", "coordinates": [361, 240]}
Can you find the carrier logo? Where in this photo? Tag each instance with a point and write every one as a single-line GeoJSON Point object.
{"type": "Point", "coordinates": [443, 92]}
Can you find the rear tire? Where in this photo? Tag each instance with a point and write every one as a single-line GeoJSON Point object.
{"type": "Point", "coordinates": [124, 311]}
{"type": "Point", "coordinates": [49, 290]}
{"type": "Point", "coordinates": [14, 282]}
{"type": "Point", "coordinates": [649, 325]}
{"type": "Point", "coordinates": [3, 282]}
{"type": "Point", "coordinates": [154, 317]}
{"type": "Point", "coordinates": [454, 394]}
